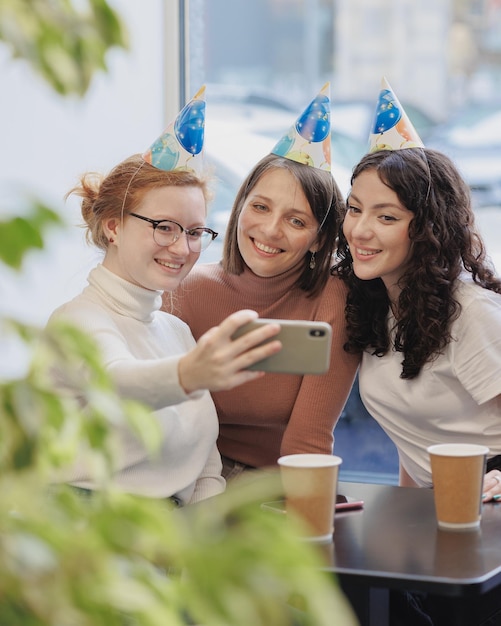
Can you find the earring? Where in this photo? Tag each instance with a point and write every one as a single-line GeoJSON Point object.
{"type": "Point", "coordinates": [312, 261]}
{"type": "Point", "coordinates": [111, 240]}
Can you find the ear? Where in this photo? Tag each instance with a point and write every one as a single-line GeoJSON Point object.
{"type": "Point", "coordinates": [318, 243]}
{"type": "Point", "coordinates": [315, 246]}
{"type": "Point", "coordinates": [110, 228]}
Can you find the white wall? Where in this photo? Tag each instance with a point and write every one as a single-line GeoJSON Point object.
{"type": "Point", "coordinates": [47, 141]}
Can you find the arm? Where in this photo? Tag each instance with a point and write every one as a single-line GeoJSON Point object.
{"type": "Point", "coordinates": [321, 399]}
{"type": "Point", "coordinates": [318, 406]}
{"type": "Point", "coordinates": [141, 363]}
{"type": "Point", "coordinates": [138, 360]}
{"type": "Point", "coordinates": [215, 363]}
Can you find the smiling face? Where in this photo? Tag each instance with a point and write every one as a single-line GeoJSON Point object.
{"type": "Point", "coordinates": [276, 227]}
{"type": "Point", "coordinates": [376, 227]}
{"type": "Point", "coordinates": [136, 257]}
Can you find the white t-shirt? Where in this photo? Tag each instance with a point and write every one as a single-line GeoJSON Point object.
{"type": "Point", "coordinates": [454, 399]}
{"type": "Point", "coordinates": [141, 347]}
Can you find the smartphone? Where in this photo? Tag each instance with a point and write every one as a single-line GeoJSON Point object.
{"type": "Point", "coordinates": [343, 503]}
{"type": "Point", "coordinates": [347, 503]}
{"type": "Point", "coordinates": [306, 346]}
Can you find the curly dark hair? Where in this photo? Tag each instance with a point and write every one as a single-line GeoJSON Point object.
{"type": "Point", "coordinates": [325, 200]}
{"type": "Point", "coordinates": [445, 243]}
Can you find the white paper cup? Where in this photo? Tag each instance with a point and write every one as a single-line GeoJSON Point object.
{"type": "Point", "coordinates": [458, 473]}
{"type": "Point", "coordinates": [310, 487]}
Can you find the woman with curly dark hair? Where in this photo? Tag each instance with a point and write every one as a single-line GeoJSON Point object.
{"type": "Point", "coordinates": [423, 310]}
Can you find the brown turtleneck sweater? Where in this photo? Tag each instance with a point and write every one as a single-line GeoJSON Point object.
{"type": "Point", "coordinates": [279, 413]}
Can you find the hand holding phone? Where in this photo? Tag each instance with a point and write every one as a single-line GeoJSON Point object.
{"type": "Point", "coordinates": [306, 346]}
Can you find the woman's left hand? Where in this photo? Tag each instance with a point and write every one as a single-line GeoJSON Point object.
{"type": "Point", "coordinates": [492, 486]}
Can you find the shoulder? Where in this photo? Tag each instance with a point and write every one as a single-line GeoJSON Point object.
{"type": "Point", "coordinates": [73, 310]}
{"type": "Point", "coordinates": [328, 305]}
{"type": "Point", "coordinates": [172, 321]}
{"type": "Point", "coordinates": [479, 306]}
{"type": "Point", "coordinates": [205, 283]}
{"type": "Point", "coordinates": [81, 310]}
{"type": "Point", "coordinates": [172, 324]}
{"type": "Point", "coordinates": [335, 291]}
{"type": "Point", "coordinates": [470, 294]}
{"type": "Point", "coordinates": [336, 284]}
{"type": "Point", "coordinates": [201, 275]}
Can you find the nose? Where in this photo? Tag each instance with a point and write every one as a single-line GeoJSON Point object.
{"type": "Point", "coordinates": [272, 226]}
{"type": "Point", "coordinates": [358, 228]}
{"type": "Point", "coordinates": [180, 246]}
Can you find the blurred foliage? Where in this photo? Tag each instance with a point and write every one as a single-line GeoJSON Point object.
{"type": "Point", "coordinates": [62, 409]}
{"type": "Point", "coordinates": [64, 41]}
{"type": "Point", "coordinates": [21, 234]}
{"type": "Point", "coordinates": [117, 560]}
{"type": "Point", "coordinates": [114, 559]}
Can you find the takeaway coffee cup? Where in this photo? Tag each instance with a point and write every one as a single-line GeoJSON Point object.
{"type": "Point", "coordinates": [310, 487]}
{"type": "Point", "coordinates": [458, 472]}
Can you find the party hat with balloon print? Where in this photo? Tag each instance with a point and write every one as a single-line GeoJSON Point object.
{"type": "Point", "coordinates": [180, 147]}
{"type": "Point", "coordinates": [309, 138]}
{"type": "Point", "coordinates": [392, 129]}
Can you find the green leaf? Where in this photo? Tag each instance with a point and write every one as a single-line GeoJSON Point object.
{"type": "Point", "coordinates": [64, 42]}
{"type": "Point", "coordinates": [17, 237]}
{"type": "Point", "coordinates": [20, 235]}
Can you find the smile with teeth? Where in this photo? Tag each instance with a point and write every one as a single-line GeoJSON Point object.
{"type": "Point", "coordinates": [367, 252]}
{"type": "Point", "coordinates": [267, 249]}
{"type": "Point", "coordinates": [173, 266]}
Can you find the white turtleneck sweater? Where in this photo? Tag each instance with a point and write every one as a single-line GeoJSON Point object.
{"type": "Point", "coordinates": [141, 347]}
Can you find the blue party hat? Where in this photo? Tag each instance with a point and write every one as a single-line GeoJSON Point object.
{"type": "Point", "coordinates": [309, 138]}
{"type": "Point", "coordinates": [392, 129]}
{"type": "Point", "coordinates": [180, 147]}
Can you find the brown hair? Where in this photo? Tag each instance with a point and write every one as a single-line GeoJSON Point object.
{"type": "Point", "coordinates": [122, 190]}
{"type": "Point", "coordinates": [324, 198]}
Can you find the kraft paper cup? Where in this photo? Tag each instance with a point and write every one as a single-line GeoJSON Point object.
{"type": "Point", "coordinates": [458, 472]}
{"type": "Point", "coordinates": [310, 487]}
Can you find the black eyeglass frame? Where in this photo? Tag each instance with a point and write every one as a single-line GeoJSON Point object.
{"type": "Point", "coordinates": [188, 231]}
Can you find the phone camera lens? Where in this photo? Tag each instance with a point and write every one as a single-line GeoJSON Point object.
{"type": "Point", "coordinates": [317, 333]}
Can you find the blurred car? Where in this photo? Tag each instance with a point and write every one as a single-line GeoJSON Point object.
{"type": "Point", "coordinates": [472, 138]}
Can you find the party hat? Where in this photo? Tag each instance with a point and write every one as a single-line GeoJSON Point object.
{"type": "Point", "coordinates": [309, 138]}
{"type": "Point", "coordinates": [392, 129]}
{"type": "Point", "coordinates": [180, 146]}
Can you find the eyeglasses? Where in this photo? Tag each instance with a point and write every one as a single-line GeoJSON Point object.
{"type": "Point", "coordinates": [167, 232]}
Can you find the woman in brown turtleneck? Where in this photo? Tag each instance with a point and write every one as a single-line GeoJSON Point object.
{"type": "Point", "coordinates": [277, 255]}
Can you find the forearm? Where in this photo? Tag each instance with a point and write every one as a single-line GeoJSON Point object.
{"type": "Point", "coordinates": [154, 382]}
